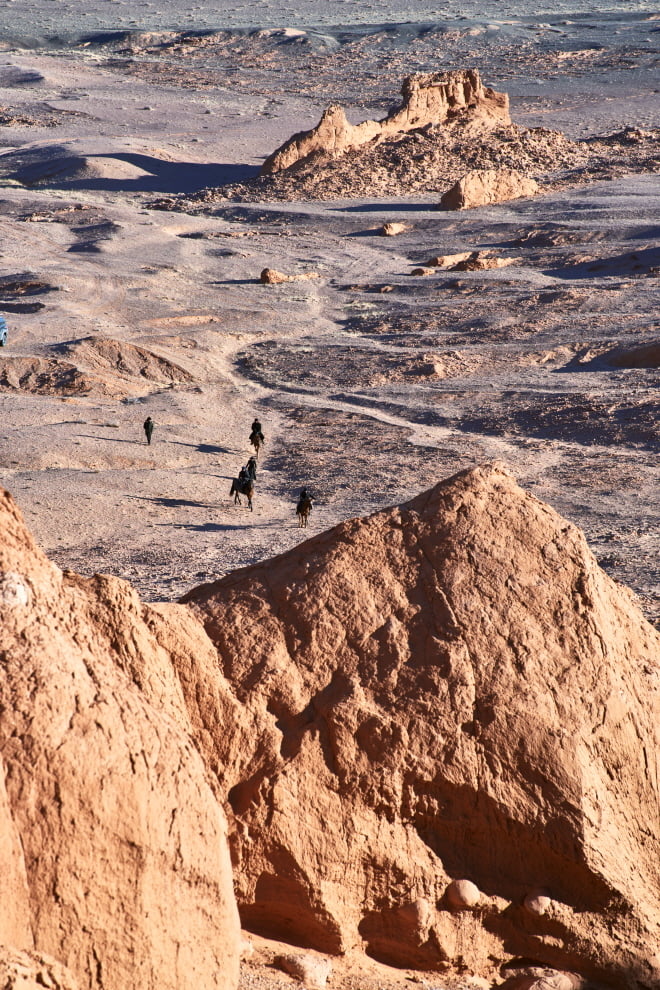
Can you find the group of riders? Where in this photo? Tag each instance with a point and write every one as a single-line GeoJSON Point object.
{"type": "Point", "coordinates": [244, 484]}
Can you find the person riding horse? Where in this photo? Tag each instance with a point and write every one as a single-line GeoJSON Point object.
{"type": "Point", "coordinates": [243, 485]}
{"type": "Point", "coordinates": [256, 436]}
{"type": "Point", "coordinates": [251, 468]}
{"type": "Point", "coordinates": [256, 432]}
{"type": "Point", "coordinates": [304, 507]}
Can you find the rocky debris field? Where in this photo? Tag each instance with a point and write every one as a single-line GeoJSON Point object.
{"type": "Point", "coordinates": [430, 161]}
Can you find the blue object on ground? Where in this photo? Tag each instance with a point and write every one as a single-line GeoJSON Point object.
{"type": "Point", "coordinates": [3, 331]}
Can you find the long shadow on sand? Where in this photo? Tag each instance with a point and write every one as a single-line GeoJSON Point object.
{"type": "Point", "coordinates": [164, 177]}
{"type": "Point", "coordinates": [91, 436]}
{"type": "Point", "coordinates": [204, 448]}
{"type": "Point", "coordinates": [386, 207]}
{"type": "Point", "coordinates": [171, 503]}
{"type": "Point", "coordinates": [217, 527]}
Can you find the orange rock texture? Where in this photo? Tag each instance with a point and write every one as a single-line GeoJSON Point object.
{"type": "Point", "coordinates": [434, 731]}
{"type": "Point", "coordinates": [112, 838]}
{"type": "Point", "coordinates": [448, 746]}
{"type": "Point", "coordinates": [483, 186]}
{"type": "Point", "coordinates": [428, 99]}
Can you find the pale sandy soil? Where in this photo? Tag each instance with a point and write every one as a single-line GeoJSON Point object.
{"type": "Point", "coordinates": [366, 396]}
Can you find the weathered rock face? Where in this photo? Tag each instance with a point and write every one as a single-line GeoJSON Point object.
{"type": "Point", "coordinates": [114, 852]}
{"type": "Point", "coordinates": [483, 186]}
{"type": "Point", "coordinates": [270, 276]}
{"type": "Point", "coordinates": [430, 99]}
{"type": "Point", "coordinates": [33, 971]}
{"type": "Point", "coordinates": [447, 691]}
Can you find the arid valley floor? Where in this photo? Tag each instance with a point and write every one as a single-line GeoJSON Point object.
{"type": "Point", "coordinates": [371, 384]}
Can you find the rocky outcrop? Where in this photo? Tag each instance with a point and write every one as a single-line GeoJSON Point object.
{"type": "Point", "coordinates": [394, 227]}
{"type": "Point", "coordinates": [270, 276]}
{"type": "Point", "coordinates": [483, 186]}
{"type": "Point", "coordinates": [114, 852]}
{"type": "Point", "coordinates": [448, 751]}
{"type": "Point", "coordinates": [428, 100]}
{"type": "Point", "coordinates": [436, 731]}
{"type": "Point", "coordinates": [471, 261]}
{"type": "Point", "coordinates": [33, 971]}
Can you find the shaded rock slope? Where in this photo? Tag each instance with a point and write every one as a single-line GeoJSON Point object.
{"type": "Point", "coordinates": [113, 844]}
{"type": "Point", "coordinates": [449, 740]}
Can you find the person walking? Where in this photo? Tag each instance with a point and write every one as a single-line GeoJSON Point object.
{"type": "Point", "coordinates": [149, 428]}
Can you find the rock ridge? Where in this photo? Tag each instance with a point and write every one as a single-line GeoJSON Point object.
{"type": "Point", "coordinates": [434, 732]}
{"type": "Point", "coordinates": [429, 99]}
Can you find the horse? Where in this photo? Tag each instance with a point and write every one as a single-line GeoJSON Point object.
{"type": "Point", "coordinates": [257, 441]}
{"type": "Point", "coordinates": [251, 469]}
{"type": "Point", "coordinates": [303, 510]}
{"type": "Point", "coordinates": [239, 488]}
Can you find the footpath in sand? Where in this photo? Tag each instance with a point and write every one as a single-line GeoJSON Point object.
{"type": "Point", "coordinates": [371, 383]}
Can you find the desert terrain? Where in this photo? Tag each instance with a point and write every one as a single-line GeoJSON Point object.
{"type": "Point", "coordinates": [365, 395]}
{"type": "Point", "coordinates": [135, 229]}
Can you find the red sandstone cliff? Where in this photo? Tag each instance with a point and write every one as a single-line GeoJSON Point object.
{"type": "Point", "coordinates": [436, 730]}
{"type": "Point", "coordinates": [112, 839]}
{"type": "Point", "coordinates": [449, 690]}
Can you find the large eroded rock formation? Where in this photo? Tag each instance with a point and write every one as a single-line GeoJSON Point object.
{"type": "Point", "coordinates": [434, 98]}
{"type": "Point", "coordinates": [112, 840]}
{"type": "Point", "coordinates": [436, 730]}
{"type": "Point", "coordinates": [449, 742]}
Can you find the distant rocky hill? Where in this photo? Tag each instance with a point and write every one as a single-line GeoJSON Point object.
{"type": "Point", "coordinates": [434, 732]}
{"type": "Point", "coordinates": [448, 126]}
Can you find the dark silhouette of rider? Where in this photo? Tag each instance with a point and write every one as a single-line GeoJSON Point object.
{"type": "Point", "coordinates": [302, 498]}
{"type": "Point", "coordinates": [243, 476]}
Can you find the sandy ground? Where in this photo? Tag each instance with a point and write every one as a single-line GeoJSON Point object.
{"type": "Point", "coordinates": [370, 384]}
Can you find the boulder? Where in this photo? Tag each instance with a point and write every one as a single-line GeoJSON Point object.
{"type": "Point", "coordinates": [311, 970]}
{"type": "Point", "coordinates": [113, 839]}
{"type": "Point", "coordinates": [448, 260]}
{"type": "Point", "coordinates": [479, 261]}
{"type": "Point", "coordinates": [270, 276]}
{"type": "Point", "coordinates": [532, 977]}
{"type": "Point", "coordinates": [428, 99]}
{"type": "Point", "coordinates": [463, 894]}
{"type": "Point", "coordinates": [447, 689]}
{"type": "Point", "coordinates": [538, 902]}
{"type": "Point", "coordinates": [29, 970]}
{"type": "Point", "coordinates": [470, 261]}
{"type": "Point", "coordinates": [483, 186]}
{"type": "Point", "coordinates": [394, 227]}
